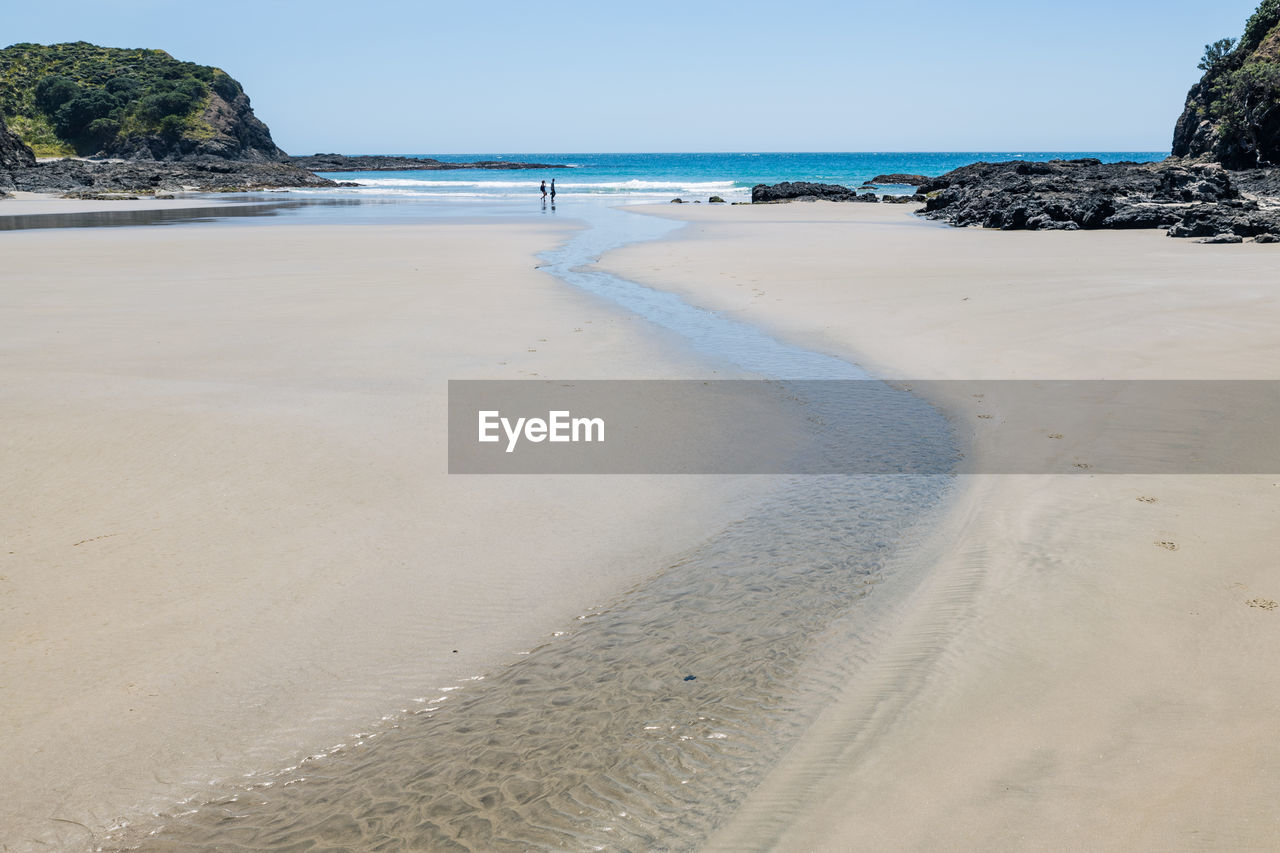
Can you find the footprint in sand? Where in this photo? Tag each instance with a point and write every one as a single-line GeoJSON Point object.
{"type": "Point", "coordinates": [1149, 500]}
{"type": "Point", "coordinates": [1262, 603]}
{"type": "Point", "coordinates": [94, 539]}
{"type": "Point", "coordinates": [1167, 545]}
{"type": "Point", "coordinates": [985, 417]}
{"type": "Point", "coordinates": [1083, 466]}
{"type": "Point", "coordinates": [1055, 435]}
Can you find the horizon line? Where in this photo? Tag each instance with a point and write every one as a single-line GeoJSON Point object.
{"type": "Point", "coordinates": [793, 151]}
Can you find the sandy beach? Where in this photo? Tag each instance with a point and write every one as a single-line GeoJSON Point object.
{"type": "Point", "coordinates": [944, 516]}
{"type": "Point", "coordinates": [230, 534]}
{"type": "Point", "coordinates": [1087, 662]}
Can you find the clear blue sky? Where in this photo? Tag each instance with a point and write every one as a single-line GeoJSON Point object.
{"type": "Point", "coordinates": [805, 75]}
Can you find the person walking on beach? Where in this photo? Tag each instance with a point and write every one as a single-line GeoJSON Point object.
{"type": "Point", "coordinates": [553, 190]}
{"type": "Point", "coordinates": [544, 189]}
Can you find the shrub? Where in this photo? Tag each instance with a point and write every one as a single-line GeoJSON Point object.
{"type": "Point", "coordinates": [73, 117]}
{"type": "Point", "coordinates": [100, 131]}
{"type": "Point", "coordinates": [125, 88]}
{"type": "Point", "coordinates": [172, 126]}
{"type": "Point", "coordinates": [155, 108]}
{"type": "Point", "coordinates": [1260, 23]}
{"type": "Point", "coordinates": [227, 88]}
{"type": "Point", "coordinates": [55, 90]}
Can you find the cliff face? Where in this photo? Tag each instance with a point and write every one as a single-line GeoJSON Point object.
{"type": "Point", "coordinates": [1232, 115]}
{"type": "Point", "coordinates": [79, 98]}
{"type": "Point", "coordinates": [13, 155]}
{"type": "Point", "coordinates": [227, 129]}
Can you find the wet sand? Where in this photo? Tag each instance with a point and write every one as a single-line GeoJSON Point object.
{"type": "Point", "coordinates": [38, 204]}
{"type": "Point", "coordinates": [229, 532]}
{"type": "Point", "coordinates": [1088, 661]}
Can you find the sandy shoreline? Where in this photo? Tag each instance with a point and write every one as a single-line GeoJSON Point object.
{"type": "Point", "coordinates": [1086, 665]}
{"type": "Point", "coordinates": [231, 531]}
{"type": "Point", "coordinates": [39, 204]}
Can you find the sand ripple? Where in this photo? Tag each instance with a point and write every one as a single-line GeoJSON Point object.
{"type": "Point", "coordinates": [639, 729]}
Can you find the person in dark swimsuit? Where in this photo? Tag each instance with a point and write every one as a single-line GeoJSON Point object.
{"type": "Point", "coordinates": [553, 189]}
{"type": "Point", "coordinates": [544, 188]}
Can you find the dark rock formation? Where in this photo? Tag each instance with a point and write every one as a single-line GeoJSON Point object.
{"type": "Point", "coordinates": [13, 155]}
{"type": "Point", "coordinates": [715, 199]}
{"type": "Point", "coordinates": [1200, 200]}
{"type": "Point", "coordinates": [898, 178]}
{"type": "Point", "coordinates": [800, 191]}
{"type": "Point", "coordinates": [379, 163]}
{"type": "Point", "coordinates": [805, 191]}
{"type": "Point", "coordinates": [1232, 116]}
{"type": "Point", "coordinates": [1239, 218]}
{"type": "Point", "coordinates": [208, 174]}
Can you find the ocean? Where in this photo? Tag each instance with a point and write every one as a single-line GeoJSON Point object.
{"type": "Point", "coordinates": [592, 182]}
{"type": "Point", "coordinates": [646, 177]}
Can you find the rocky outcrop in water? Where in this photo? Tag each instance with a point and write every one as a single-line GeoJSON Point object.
{"type": "Point", "coordinates": [209, 174]}
{"type": "Point", "coordinates": [802, 191]}
{"type": "Point", "coordinates": [805, 191]}
{"type": "Point", "coordinates": [380, 163]}
{"type": "Point", "coordinates": [1201, 200]}
{"type": "Point", "coordinates": [898, 178]}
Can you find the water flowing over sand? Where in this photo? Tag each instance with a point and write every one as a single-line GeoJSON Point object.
{"type": "Point", "coordinates": [642, 725]}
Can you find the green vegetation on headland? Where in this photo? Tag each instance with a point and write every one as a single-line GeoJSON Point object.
{"type": "Point", "coordinates": [79, 98]}
{"type": "Point", "coordinates": [1233, 113]}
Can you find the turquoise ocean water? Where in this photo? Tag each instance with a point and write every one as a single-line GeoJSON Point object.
{"type": "Point", "coordinates": [691, 176]}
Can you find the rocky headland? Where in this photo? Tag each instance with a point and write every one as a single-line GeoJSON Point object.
{"type": "Point", "coordinates": [1232, 115]}
{"type": "Point", "coordinates": [80, 99]}
{"type": "Point", "coordinates": [83, 119]}
{"type": "Point", "coordinates": [1221, 184]}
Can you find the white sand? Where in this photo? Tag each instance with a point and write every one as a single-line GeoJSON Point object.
{"type": "Point", "coordinates": [228, 532]}
{"type": "Point", "coordinates": [1058, 680]}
